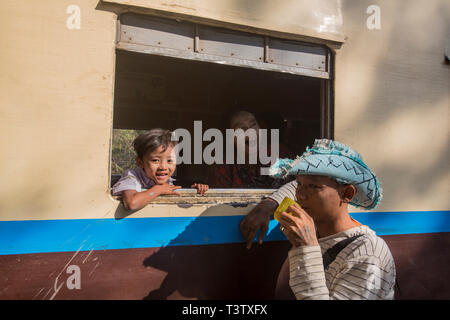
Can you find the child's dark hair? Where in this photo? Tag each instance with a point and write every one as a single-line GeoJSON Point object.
{"type": "Point", "coordinates": [150, 140]}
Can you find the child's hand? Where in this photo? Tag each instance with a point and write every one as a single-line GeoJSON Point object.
{"type": "Point", "coordinates": [166, 188]}
{"type": "Point", "coordinates": [201, 188]}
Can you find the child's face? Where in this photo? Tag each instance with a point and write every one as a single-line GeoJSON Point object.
{"type": "Point", "coordinates": [158, 165]}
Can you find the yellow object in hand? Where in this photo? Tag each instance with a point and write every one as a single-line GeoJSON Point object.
{"type": "Point", "coordinates": [284, 205]}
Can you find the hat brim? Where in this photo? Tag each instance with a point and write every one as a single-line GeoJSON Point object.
{"type": "Point", "coordinates": [339, 167]}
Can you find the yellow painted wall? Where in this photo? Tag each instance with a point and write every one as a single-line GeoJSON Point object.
{"type": "Point", "coordinates": [56, 97]}
{"type": "Point", "coordinates": [56, 94]}
{"type": "Point", "coordinates": [392, 99]}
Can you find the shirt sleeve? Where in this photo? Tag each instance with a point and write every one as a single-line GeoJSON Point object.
{"type": "Point", "coordinates": [367, 276]}
{"type": "Point", "coordinates": [287, 190]}
{"type": "Point", "coordinates": [307, 275]}
{"type": "Point", "coordinates": [128, 181]}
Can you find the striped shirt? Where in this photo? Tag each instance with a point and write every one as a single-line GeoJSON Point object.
{"type": "Point", "coordinates": [364, 269]}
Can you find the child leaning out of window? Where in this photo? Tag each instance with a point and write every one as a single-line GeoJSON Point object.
{"type": "Point", "coordinates": [155, 166]}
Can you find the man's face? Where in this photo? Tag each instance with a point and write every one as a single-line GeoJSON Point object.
{"type": "Point", "coordinates": [318, 196]}
{"type": "Point", "coordinates": [159, 165]}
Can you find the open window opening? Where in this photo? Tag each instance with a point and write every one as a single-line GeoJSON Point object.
{"type": "Point", "coordinates": [160, 89]}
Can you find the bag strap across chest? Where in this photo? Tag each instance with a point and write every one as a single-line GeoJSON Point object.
{"type": "Point", "coordinates": [331, 253]}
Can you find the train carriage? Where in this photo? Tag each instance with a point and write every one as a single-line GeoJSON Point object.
{"type": "Point", "coordinates": [77, 75]}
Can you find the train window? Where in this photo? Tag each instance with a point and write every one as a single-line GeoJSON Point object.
{"type": "Point", "coordinates": [179, 76]}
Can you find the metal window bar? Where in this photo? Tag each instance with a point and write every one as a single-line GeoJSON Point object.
{"type": "Point", "coordinates": [186, 40]}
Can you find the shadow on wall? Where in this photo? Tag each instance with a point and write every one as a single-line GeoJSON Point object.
{"type": "Point", "coordinates": [404, 97]}
{"type": "Point", "coordinates": [406, 113]}
{"type": "Point", "coordinates": [208, 260]}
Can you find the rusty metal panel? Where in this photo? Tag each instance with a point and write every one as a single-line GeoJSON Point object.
{"type": "Point", "coordinates": [186, 40]}
{"type": "Point", "coordinates": [152, 31]}
{"type": "Point", "coordinates": [221, 59]}
{"type": "Point", "coordinates": [321, 19]}
{"type": "Point", "coordinates": [227, 43]}
{"type": "Point", "coordinates": [298, 55]}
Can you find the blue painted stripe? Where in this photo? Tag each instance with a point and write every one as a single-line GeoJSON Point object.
{"type": "Point", "coordinates": [391, 223]}
{"type": "Point", "coordinates": [34, 236]}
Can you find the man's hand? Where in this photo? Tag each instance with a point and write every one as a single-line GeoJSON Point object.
{"type": "Point", "coordinates": [257, 219]}
{"type": "Point", "coordinates": [299, 227]}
